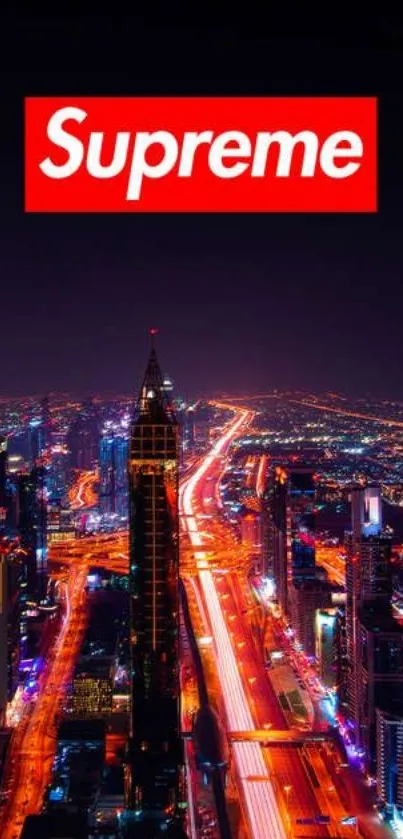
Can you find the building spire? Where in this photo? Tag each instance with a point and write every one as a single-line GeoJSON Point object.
{"type": "Point", "coordinates": [153, 401]}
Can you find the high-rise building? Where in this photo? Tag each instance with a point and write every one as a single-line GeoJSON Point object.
{"type": "Point", "coordinates": [292, 506]}
{"type": "Point", "coordinates": [3, 483]}
{"type": "Point", "coordinates": [155, 744]}
{"type": "Point", "coordinates": [327, 645]}
{"type": "Point", "coordinates": [114, 491]}
{"type": "Point", "coordinates": [58, 472]}
{"type": "Point", "coordinates": [277, 497]}
{"type": "Point", "coordinates": [306, 597]}
{"type": "Point", "coordinates": [83, 439]}
{"type": "Point", "coordinates": [46, 418]}
{"type": "Point", "coordinates": [189, 430]}
{"type": "Point", "coordinates": [389, 749]}
{"type": "Point", "coordinates": [36, 440]}
{"type": "Point", "coordinates": [32, 526]}
{"type": "Point", "coordinates": [379, 668]}
{"type": "Point", "coordinates": [10, 620]}
{"type": "Point", "coordinates": [368, 577]}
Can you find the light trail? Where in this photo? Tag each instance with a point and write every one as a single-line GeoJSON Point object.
{"type": "Point", "coordinates": [82, 494]}
{"type": "Point", "coordinates": [36, 742]}
{"type": "Point", "coordinates": [262, 810]}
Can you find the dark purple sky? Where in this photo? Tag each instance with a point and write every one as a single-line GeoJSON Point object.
{"type": "Point", "coordinates": [243, 302]}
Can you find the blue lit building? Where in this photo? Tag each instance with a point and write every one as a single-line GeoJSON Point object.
{"type": "Point", "coordinates": [389, 746]}
{"type": "Point", "coordinates": [57, 478]}
{"type": "Point", "coordinates": [36, 440]}
{"type": "Point", "coordinates": [114, 490]}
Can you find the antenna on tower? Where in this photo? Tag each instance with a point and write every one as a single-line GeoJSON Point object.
{"type": "Point", "coordinates": [153, 331]}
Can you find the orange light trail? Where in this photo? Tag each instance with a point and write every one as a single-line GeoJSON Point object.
{"type": "Point", "coordinates": [82, 494]}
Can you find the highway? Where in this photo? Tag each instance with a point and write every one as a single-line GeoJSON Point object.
{"type": "Point", "coordinates": [82, 494]}
{"type": "Point", "coordinates": [333, 561]}
{"type": "Point", "coordinates": [277, 784]}
{"type": "Point", "coordinates": [31, 757]}
{"type": "Point", "coordinates": [262, 810]}
{"type": "Point", "coordinates": [317, 406]}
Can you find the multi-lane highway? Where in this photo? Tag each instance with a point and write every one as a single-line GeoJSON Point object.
{"type": "Point", "coordinates": [34, 747]}
{"type": "Point", "coordinates": [277, 784]}
{"type": "Point", "coordinates": [82, 494]}
{"type": "Point", "coordinates": [333, 561]}
{"type": "Point", "coordinates": [259, 799]}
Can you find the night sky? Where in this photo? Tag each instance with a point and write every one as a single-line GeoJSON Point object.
{"type": "Point", "coordinates": [243, 302]}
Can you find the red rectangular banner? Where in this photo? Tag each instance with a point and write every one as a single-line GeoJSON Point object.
{"type": "Point", "coordinates": [216, 154]}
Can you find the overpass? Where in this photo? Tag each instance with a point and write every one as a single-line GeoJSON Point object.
{"type": "Point", "coordinates": [272, 737]}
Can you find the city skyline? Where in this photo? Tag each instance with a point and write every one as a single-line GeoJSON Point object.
{"type": "Point", "coordinates": [201, 445]}
{"type": "Point", "coordinates": [283, 516]}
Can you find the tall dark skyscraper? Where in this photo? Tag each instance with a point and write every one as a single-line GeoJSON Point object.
{"type": "Point", "coordinates": [32, 521]}
{"type": "Point", "coordinates": [83, 438]}
{"type": "Point", "coordinates": [292, 505]}
{"type": "Point", "coordinates": [11, 588]}
{"type": "Point", "coordinates": [155, 743]}
{"type": "Point", "coordinates": [3, 484]}
{"type": "Point", "coordinates": [368, 552]}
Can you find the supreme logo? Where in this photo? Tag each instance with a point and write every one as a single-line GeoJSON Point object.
{"type": "Point", "coordinates": [200, 155]}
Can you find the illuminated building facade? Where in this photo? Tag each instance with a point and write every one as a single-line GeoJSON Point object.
{"type": "Point", "coordinates": [368, 577]}
{"type": "Point", "coordinates": [189, 429]}
{"type": "Point", "coordinates": [155, 743]}
{"type": "Point", "coordinates": [278, 510]}
{"type": "Point", "coordinates": [58, 472]}
{"type": "Point", "coordinates": [306, 597]}
{"type": "Point", "coordinates": [93, 687]}
{"type": "Point", "coordinates": [83, 438]}
{"type": "Point", "coordinates": [11, 588]}
{"type": "Point", "coordinates": [292, 507]}
{"type": "Point", "coordinates": [389, 749]}
{"type": "Point", "coordinates": [251, 535]}
{"type": "Point", "coordinates": [114, 491]}
{"type": "Point", "coordinates": [326, 636]}
{"type": "Point", "coordinates": [36, 440]}
{"type": "Point", "coordinates": [32, 527]}
{"type": "Point", "coordinates": [3, 483]}
{"type": "Point", "coordinates": [379, 668]}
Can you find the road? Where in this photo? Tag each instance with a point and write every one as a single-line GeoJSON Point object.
{"type": "Point", "coordinates": [82, 494]}
{"type": "Point", "coordinates": [277, 783]}
{"type": "Point", "coordinates": [262, 810]}
{"type": "Point", "coordinates": [333, 561]}
{"type": "Point", "coordinates": [34, 747]}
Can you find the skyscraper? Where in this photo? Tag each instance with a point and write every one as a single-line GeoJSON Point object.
{"type": "Point", "coordinates": [379, 669]}
{"type": "Point", "coordinates": [83, 438]}
{"type": "Point", "coordinates": [10, 615]}
{"type": "Point", "coordinates": [113, 468]}
{"type": "Point", "coordinates": [36, 440]}
{"type": "Point", "coordinates": [368, 577]}
{"type": "Point", "coordinates": [277, 499]}
{"type": "Point", "coordinates": [292, 506]}
{"type": "Point", "coordinates": [155, 742]}
{"type": "Point", "coordinates": [3, 484]}
{"type": "Point", "coordinates": [32, 520]}
{"type": "Point", "coordinates": [389, 742]}
{"type": "Point", "coordinates": [326, 632]}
